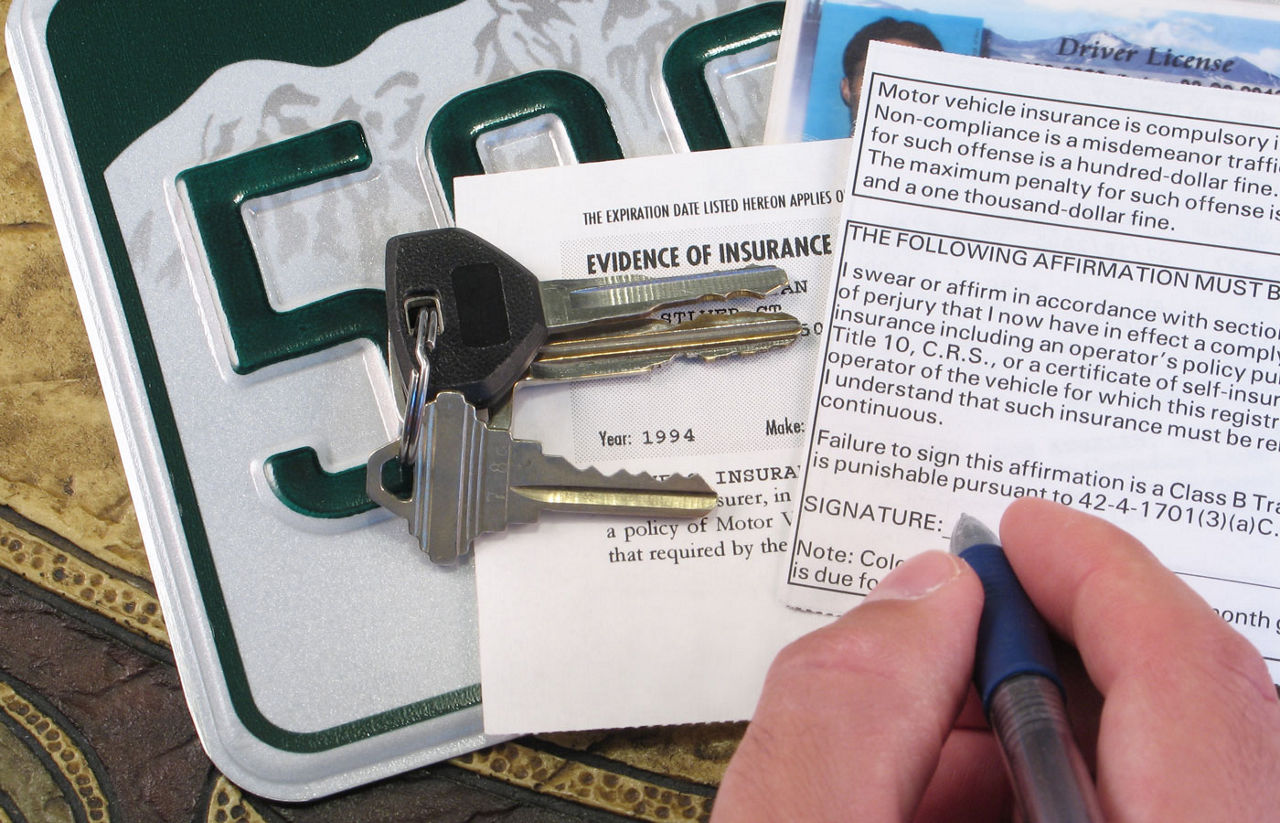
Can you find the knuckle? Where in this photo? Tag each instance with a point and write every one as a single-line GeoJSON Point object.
{"type": "Point", "coordinates": [838, 650]}
{"type": "Point", "coordinates": [1240, 665]}
{"type": "Point", "coordinates": [1215, 652]}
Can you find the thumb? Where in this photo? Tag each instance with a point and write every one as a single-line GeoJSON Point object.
{"type": "Point", "coordinates": [853, 716]}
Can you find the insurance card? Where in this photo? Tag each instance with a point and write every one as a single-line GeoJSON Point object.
{"type": "Point", "coordinates": [608, 621]}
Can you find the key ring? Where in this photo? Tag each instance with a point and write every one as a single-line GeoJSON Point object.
{"type": "Point", "coordinates": [426, 322]}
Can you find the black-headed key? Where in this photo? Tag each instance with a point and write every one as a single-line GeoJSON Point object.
{"type": "Point", "coordinates": [491, 318]}
{"type": "Point", "coordinates": [496, 316]}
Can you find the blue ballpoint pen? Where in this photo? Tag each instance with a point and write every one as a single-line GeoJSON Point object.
{"type": "Point", "coordinates": [1021, 694]}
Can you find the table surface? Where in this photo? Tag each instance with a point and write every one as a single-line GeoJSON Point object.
{"type": "Point", "coordinates": [92, 721]}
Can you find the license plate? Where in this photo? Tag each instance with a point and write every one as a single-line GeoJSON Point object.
{"type": "Point", "coordinates": [224, 178]}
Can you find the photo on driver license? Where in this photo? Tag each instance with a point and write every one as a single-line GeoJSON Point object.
{"type": "Point", "coordinates": [837, 54]}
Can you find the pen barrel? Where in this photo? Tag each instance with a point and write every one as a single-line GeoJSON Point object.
{"type": "Point", "coordinates": [1012, 637]}
{"type": "Point", "coordinates": [1049, 776]}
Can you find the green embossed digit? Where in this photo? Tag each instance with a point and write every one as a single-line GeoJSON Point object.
{"type": "Point", "coordinates": [299, 481]}
{"type": "Point", "coordinates": [452, 135]}
{"type": "Point", "coordinates": [684, 67]}
{"type": "Point", "coordinates": [260, 335]}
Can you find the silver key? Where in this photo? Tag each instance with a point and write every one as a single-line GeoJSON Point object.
{"type": "Point", "coordinates": [494, 314]}
{"type": "Point", "coordinates": [468, 479]}
{"type": "Point", "coordinates": [570, 305]}
{"type": "Point", "coordinates": [642, 348]}
{"type": "Point", "coordinates": [638, 349]}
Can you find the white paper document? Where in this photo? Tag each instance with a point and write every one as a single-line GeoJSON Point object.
{"type": "Point", "coordinates": [1055, 284]}
{"type": "Point", "coordinates": [599, 622]}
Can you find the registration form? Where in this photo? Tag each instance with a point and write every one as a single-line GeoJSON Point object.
{"type": "Point", "coordinates": [1057, 284]}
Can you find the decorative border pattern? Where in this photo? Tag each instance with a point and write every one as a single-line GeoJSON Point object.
{"type": "Point", "coordinates": [552, 775]}
{"type": "Point", "coordinates": [227, 803]}
{"type": "Point", "coordinates": [61, 750]}
{"type": "Point", "coordinates": [73, 579]}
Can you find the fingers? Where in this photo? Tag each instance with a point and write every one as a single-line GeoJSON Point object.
{"type": "Point", "coordinates": [970, 782]}
{"type": "Point", "coordinates": [1105, 592]}
{"type": "Point", "coordinates": [1190, 725]}
{"type": "Point", "coordinates": [853, 716]}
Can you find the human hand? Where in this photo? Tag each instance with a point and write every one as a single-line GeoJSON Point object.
{"type": "Point", "coordinates": [872, 718]}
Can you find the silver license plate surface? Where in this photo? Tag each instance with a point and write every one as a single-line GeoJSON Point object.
{"type": "Point", "coordinates": [225, 177]}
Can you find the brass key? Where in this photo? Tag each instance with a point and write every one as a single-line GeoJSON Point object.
{"type": "Point", "coordinates": [637, 349]}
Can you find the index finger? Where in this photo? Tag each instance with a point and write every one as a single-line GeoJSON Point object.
{"type": "Point", "coordinates": [1113, 599]}
{"type": "Point", "coordinates": [1190, 724]}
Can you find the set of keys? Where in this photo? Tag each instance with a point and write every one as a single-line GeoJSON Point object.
{"type": "Point", "coordinates": [468, 324]}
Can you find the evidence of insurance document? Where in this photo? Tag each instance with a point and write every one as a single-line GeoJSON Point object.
{"type": "Point", "coordinates": [600, 622]}
{"type": "Point", "coordinates": [1057, 284]}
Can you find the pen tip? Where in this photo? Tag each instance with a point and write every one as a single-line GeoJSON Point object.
{"type": "Point", "coordinates": [969, 531]}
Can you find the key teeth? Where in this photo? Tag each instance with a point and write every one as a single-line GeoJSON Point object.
{"type": "Point", "coordinates": [558, 485]}
{"type": "Point", "coordinates": [728, 351]}
{"type": "Point", "coordinates": [730, 295]}
{"type": "Point", "coordinates": [694, 481]}
{"type": "Point", "coordinates": [581, 303]}
{"type": "Point", "coordinates": [657, 343]}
